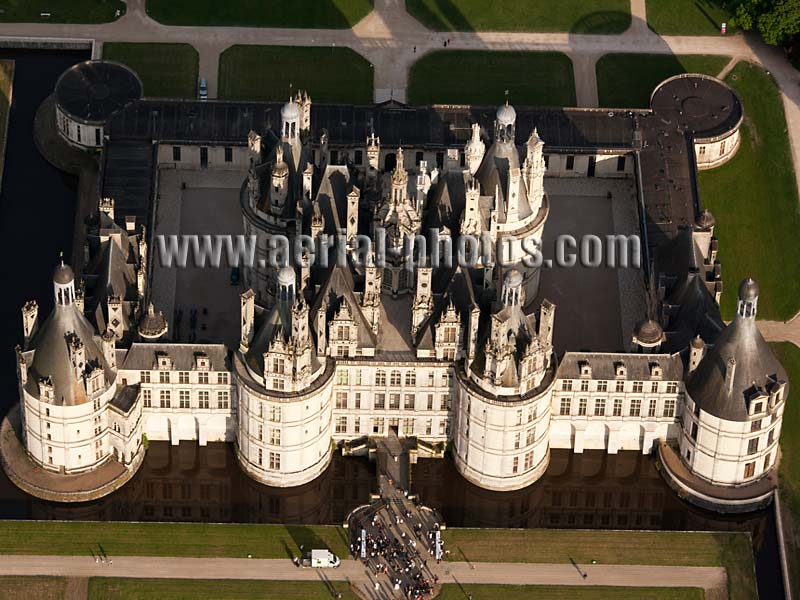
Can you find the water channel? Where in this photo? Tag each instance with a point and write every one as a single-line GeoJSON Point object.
{"type": "Point", "coordinates": [187, 482]}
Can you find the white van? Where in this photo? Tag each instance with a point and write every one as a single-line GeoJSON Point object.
{"type": "Point", "coordinates": [322, 559]}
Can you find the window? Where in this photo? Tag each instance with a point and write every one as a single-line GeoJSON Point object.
{"type": "Point", "coordinates": [430, 402]}
{"type": "Point", "coordinates": [617, 407]}
{"type": "Point", "coordinates": [394, 401]}
{"type": "Point", "coordinates": [341, 399]}
{"type": "Point", "coordinates": [672, 387]}
{"type": "Point", "coordinates": [145, 376]}
{"type": "Point", "coordinates": [78, 131]}
{"type": "Point", "coordinates": [515, 464]}
{"type": "Point", "coordinates": [517, 440]}
{"type": "Point", "coordinates": [584, 386]}
{"type": "Point", "coordinates": [570, 162]}
{"type": "Point", "coordinates": [428, 426]}
{"type": "Point", "coordinates": [357, 400]}
{"type": "Point", "coordinates": [228, 154]}
{"type": "Point", "coordinates": [378, 425]}
{"type": "Point", "coordinates": [565, 407]}
{"type": "Point", "coordinates": [654, 387]}
{"type": "Point", "coordinates": [722, 147]}
{"type": "Point", "coordinates": [394, 381]}
{"type": "Point", "coordinates": [145, 396]}
{"type": "Point", "coordinates": [163, 377]}
{"type": "Point", "coordinates": [620, 387]}
{"type": "Point", "coordinates": [445, 402]}
{"type": "Point", "coordinates": [530, 436]}
{"type": "Point", "coordinates": [222, 378]}
{"type": "Point", "coordinates": [380, 401]}
{"type": "Point", "coordinates": [380, 378]}
{"type": "Point", "coordinates": [582, 407]}
{"type": "Point", "coordinates": [202, 399]}
{"type": "Point", "coordinates": [202, 377]}
{"type": "Point", "coordinates": [749, 469]}
{"type": "Point", "coordinates": [357, 425]}
{"type": "Point", "coordinates": [566, 385]}
{"type": "Point", "coordinates": [694, 431]}
{"type": "Point", "coordinates": [275, 414]}
{"type": "Point", "coordinates": [183, 377]}
{"type": "Point", "coordinates": [620, 163]}
{"type": "Point", "coordinates": [431, 379]}
{"type": "Point", "coordinates": [752, 446]}
{"type": "Point", "coordinates": [408, 426]}
{"type": "Point", "coordinates": [274, 461]}
{"type": "Point", "coordinates": [766, 461]}
{"type": "Point", "coordinates": [176, 153]}
{"type": "Point", "coordinates": [183, 399]}
{"type": "Point", "coordinates": [638, 386]}
{"type": "Point", "coordinates": [164, 399]}
{"type": "Point", "coordinates": [359, 158]}
{"type": "Point", "coordinates": [260, 433]}
{"type": "Point", "coordinates": [341, 424]}
{"type": "Point", "coordinates": [599, 407]}
{"type": "Point", "coordinates": [223, 399]}
{"type": "Point", "coordinates": [651, 409]}
{"type": "Point", "coordinates": [519, 417]}
{"type": "Point", "coordinates": [771, 437]}
{"type": "Point", "coordinates": [636, 407]}
{"type": "Point", "coordinates": [529, 461]}
{"type": "Point", "coordinates": [602, 386]}
{"type": "Point", "coordinates": [411, 378]}
{"type": "Point", "coordinates": [408, 402]}
{"type": "Point", "coordinates": [702, 151]}
{"type": "Point", "coordinates": [669, 408]}
{"type": "Point", "coordinates": [274, 436]}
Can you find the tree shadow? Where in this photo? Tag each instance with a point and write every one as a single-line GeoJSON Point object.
{"type": "Point", "coordinates": [602, 22]}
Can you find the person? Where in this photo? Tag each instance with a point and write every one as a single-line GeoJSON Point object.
{"type": "Point", "coordinates": [415, 49]}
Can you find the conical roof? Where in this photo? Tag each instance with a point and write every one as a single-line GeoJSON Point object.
{"type": "Point", "coordinates": [754, 366]}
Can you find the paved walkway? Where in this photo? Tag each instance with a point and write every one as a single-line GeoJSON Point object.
{"type": "Point", "coordinates": [355, 573]}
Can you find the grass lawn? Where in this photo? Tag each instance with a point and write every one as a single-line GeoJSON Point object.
{"type": "Point", "coordinates": [325, 14]}
{"type": "Point", "coordinates": [106, 588]}
{"type": "Point", "coordinates": [6, 83]}
{"type": "Point", "coordinates": [754, 199]}
{"type": "Point", "coordinates": [32, 588]}
{"type": "Point", "coordinates": [731, 550]}
{"type": "Point", "coordinates": [627, 80]}
{"type": "Point", "coordinates": [453, 591]}
{"type": "Point", "coordinates": [481, 78]}
{"type": "Point", "coordinates": [575, 16]}
{"type": "Point", "coordinates": [167, 539]}
{"type": "Point", "coordinates": [166, 70]}
{"type": "Point", "coordinates": [63, 11]}
{"type": "Point", "coordinates": [265, 73]}
{"type": "Point", "coordinates": [687, 17]}
{"type": "Point", "coordinates": [789, 468]}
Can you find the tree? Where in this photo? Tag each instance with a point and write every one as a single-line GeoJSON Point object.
{"type": "Point", "coordinates": [776, 20]}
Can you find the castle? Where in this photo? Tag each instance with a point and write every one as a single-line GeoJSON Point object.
{"type": "Point", "coordinates": [321, 361]}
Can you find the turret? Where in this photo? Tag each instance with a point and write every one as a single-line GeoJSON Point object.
{"type": "Point", "coordinates": [353, 197]}
{"type": "Point", "coordinates": [247, 303]}
{"type": "Point", "coordinates": [474, 150]}
{"type": "Point", "coordinates": [697, 350]}
{"type": "Point", "coordinates": [504, 123]}
{"type": "Point", "coordinates": [279, 189]}
{"type": "Point", "coordinates": [399, 180]}
{"type": "Point", "coordinates": [30, 320]}
{"type": "Point", "coordinates": [254, 148]}
{"type": "Point", "coordinates": [533, 170]}
{"type": "Point", "coordinates": [290, 120]}
{"type": "Point", "coordinates": [423, 299]}
{"type": "Point", "coordinates": [109, 348]}
{"type": "Point", "coordinates": [107, 206]}
{"type": "Point", "coordinates": [64, 285]}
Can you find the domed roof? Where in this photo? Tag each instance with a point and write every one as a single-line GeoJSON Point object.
{"type": "Point", "coordinates": [290, 111]}
{"type": "Point", "coordinates": [286, 277]}
{"type": "Point", "coordinates": [648, 332]}
{"type": "Point", "coordinates": [513, 279]}
{"type": "Point", "coordinates": [748, 289]}
{"type": "Point", "coordinates": [506, 115]}
{"type": "Point", "coordinates": [705, 220]}
{"type": "Point", "coordinates": [63, 274]}
{"type": "Point", "coordinates": [152, 324]}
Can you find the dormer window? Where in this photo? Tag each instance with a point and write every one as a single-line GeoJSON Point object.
{"type": "Point", "coordinates": [655, 371]}
{"type": "Point", "coordinates": [620, 370]}
{"type": "Point", "coordinates": [586, 369]}
{"type": "Point", "coordinates": [201, 362]}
